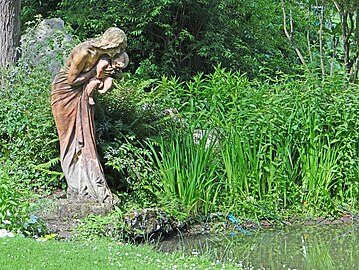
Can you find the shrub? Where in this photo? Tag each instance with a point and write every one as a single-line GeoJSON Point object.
{"type": "Point", "coordinates": [125, 118]}
{"type": "Point", "coordinates": [14, 209]}
{"type": "Point", "coordinates": [28, 134]}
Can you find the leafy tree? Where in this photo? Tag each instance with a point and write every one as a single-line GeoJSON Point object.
{"type": "Point", "coordinates": [32, 8]}
{"type": "Point", "coordinates": [349, 20]}
{"type": "Point", "coordinates": [332, 34]}
{"type": "Point", "coordinates": [182, 37]}
{"type": "Point", "coordinates": [253, 37]}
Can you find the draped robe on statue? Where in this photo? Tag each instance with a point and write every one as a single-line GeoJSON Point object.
{"type": "Point", "coordinates": [74, 118]}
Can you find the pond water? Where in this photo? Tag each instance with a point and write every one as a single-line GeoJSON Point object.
{"type": "Point", "coordinates": [308, 247]}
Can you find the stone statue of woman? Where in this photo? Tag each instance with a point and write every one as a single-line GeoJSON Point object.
{"type": "Point", "coordinates": [74, 117]}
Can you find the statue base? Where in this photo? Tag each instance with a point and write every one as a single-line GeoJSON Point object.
{"type": "Point", "coordinates": [80, 209]}
{"type": "Point", "coordinates": [63, 215]}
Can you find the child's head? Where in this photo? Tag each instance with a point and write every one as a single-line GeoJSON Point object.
{"type": "Point", "coordinates": [120, 61]}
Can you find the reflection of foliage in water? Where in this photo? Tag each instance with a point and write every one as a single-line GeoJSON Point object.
{"type": "Point", "coordinates": [314, 247]}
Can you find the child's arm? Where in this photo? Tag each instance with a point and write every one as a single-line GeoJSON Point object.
{"type": "Point", "coordinates": [101, 67]}
{"type": "Point", "coordinates": [107, 84]}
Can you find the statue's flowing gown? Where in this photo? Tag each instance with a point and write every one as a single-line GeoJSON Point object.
{"type": "Point", "coordinates": [74, 118]}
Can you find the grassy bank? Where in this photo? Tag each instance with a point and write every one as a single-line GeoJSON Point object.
{"type": "Point", "coordinates": [24, 253]}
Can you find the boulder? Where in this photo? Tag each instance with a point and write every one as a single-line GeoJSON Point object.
{"type": "Point", "coordinates": [150, 224]}
{"type": "Point", "coordinates": [46, 44]}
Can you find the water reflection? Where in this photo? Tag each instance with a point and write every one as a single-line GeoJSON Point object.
{"type": "Point", "coordinates": [314, 247]}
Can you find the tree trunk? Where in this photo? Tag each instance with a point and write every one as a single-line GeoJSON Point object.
{"type": "Point", "coordinates": [356, 65]}
{"type": "Point", "coordinates": [289, 35]}
{"type": "Point", "coordinates": [321, 22]}
{"type": "Point", "coordinates": [9, 31]}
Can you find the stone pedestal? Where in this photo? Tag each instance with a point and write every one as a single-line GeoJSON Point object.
{"type": "Point", "coordinates": [81, 209]}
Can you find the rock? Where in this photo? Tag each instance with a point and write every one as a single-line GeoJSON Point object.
{"type": "Point", "coordinates": [61, 216]}
{"type": "Point", "coordinates": [46, 44]}
{"type": "Point", "coordinates": [149, 223]}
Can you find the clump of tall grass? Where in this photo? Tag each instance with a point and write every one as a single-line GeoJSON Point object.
{"type": "Point", "coordinates": [289, 144]}
{"type": "Point", "coordinates": [188, 170]}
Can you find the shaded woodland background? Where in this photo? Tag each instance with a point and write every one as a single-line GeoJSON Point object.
{"type": "Point", "coordinates": [182, 38]}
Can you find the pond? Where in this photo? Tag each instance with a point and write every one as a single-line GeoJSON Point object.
{"type": "Point", "coordinates": [305, 247]}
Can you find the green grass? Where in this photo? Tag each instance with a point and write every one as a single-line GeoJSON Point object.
{"type": "Point", "coordinates": [27, 254]}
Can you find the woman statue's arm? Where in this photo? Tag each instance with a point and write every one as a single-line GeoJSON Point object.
{"type": "Point", "coordinates": [75, 75]}
{"type": "Point", "coordinates": [83, 77]}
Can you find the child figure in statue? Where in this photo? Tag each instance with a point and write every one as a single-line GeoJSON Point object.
{"type": "Point", "coordinates": [106, 69]}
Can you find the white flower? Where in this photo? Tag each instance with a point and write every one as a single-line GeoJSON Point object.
{"type": "Point", "coordinates": [8, 213]}
{"type": "Point", "coordinates": [4, 233]}
{"type": "Point", "coordinates": [6, 222]}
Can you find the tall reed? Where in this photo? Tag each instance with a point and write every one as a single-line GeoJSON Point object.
{"type": "Point", "coordinates": [187, 168]}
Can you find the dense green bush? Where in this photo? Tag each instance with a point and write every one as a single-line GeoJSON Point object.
{"type": "Point", "coordinates": [32, 8]}
{"type": "Point", "coordinates": [27, 130]}
{"type": "Point", "coordinates": [125, 118]}
{"type": "Point", "coordinates": [15, 208]}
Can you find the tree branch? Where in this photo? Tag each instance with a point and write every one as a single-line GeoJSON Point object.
{"type": "Point", "coordinates": [289, 36]}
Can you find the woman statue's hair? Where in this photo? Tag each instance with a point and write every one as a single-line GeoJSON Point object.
{"type": "Point", "coordinates": [113, 37]}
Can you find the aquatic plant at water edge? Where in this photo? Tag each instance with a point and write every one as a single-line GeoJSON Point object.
{"type": "Point", "coordinates": [288, 144]}
{"type": "Point", "coordinates": [187, 170]}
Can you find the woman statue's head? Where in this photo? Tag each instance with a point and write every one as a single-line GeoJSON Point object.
{"type": "Point", "coordinates": [114, 39]}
